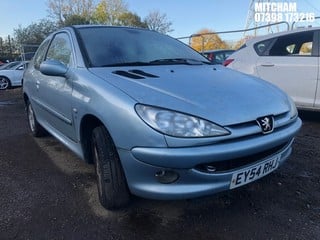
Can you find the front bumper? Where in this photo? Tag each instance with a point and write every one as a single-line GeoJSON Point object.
{"type": "Point", "coordinates": [142, 164]}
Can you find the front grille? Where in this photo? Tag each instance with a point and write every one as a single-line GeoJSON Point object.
{"type": "Point", "coordinates": [232, 164]}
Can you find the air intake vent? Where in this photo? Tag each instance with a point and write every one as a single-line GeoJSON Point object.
{"type": "Point", "coordinates": [142, 73]}
{"type": "Point", "coordinates": [128, 74]}
{"type": "Point", "coordinates": [135, 74]}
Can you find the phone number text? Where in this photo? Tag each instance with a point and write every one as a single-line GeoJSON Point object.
{"type": "Point", "coordinates": [279, 17]}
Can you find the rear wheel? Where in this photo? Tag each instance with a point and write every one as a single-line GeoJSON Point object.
{"type": "Point", "coordinates": [36, 129]}
{"type": "Point", "coordinates": [4, 83]}
{"type": "Point", "coordinates": [111, 181]}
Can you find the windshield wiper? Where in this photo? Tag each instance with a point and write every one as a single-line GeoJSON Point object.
{"type": "Point", "coordinates": [188, 61]}
{"type": "Point", "coordinates": [164, 61]}
{"type": "Point", "coordinates": [123, 64]}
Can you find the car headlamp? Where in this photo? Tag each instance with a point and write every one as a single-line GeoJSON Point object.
{"type": "Point", "coordinates": [178, 124]}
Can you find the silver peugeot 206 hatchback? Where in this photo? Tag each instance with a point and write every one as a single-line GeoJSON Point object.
{"type": "Point", "coordinates": [156, 118]}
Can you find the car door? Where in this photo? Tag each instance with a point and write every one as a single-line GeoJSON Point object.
{"type": "Point", "coordinates": [55, 92]}
{"type": "Point", "coordinates": [16, 74]}
{"type": "Point", "coordinates": [292, 63]}
{"type": "Point", "coordinates": [33, 76]}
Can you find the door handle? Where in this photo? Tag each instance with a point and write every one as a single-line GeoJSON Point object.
{"type": "Point", "coordinates": [267, 65]}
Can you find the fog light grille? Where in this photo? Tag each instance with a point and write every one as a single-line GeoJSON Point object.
{"type": "Point", "coordinates": [166, 176]}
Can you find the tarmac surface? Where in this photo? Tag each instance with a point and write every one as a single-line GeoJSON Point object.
{"type": "Point", "coordinates": [46, 192]}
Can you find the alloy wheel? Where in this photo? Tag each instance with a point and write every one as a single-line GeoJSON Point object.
{"type": "Point", "coordinates": [4, 83]}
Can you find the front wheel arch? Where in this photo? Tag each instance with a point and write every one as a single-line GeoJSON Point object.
{"type": "Point", "coordinates": [88, 123]}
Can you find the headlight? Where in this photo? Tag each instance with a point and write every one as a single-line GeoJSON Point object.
{"type": "Point", "coordinates": [293, 109]}
{"type": "Point", "coordinates": [178, 124]}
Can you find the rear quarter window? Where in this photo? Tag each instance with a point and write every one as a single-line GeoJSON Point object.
{"type": "Point", "coordinates": [262, 47]}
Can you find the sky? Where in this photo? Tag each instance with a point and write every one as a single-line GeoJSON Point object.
{"type": "Point", "coordinates": [187, 16]}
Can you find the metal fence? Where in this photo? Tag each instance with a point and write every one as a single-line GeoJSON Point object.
{"type": "Point", "coordinates": [280, 26]}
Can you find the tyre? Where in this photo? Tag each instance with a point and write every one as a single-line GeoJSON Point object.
{"type": "Point", "coordinates": [36, 129]}
{"type": "Point", "coordinates": [4, 83]}
{"type": "Point", "coordinates": [112, 186]}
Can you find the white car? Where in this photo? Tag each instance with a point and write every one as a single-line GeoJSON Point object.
{"type": "Point", "coordinates": [288, 59]}
{"type": "Point", "coordinates": [12, 77]}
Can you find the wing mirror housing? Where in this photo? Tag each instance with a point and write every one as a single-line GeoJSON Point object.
{"type": "Point", "coordinates": [53, 68]}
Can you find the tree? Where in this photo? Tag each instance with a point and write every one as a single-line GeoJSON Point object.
{"type": "Point", "coordinates": [158, 22]}
{"type": "Point", "coordinates": [109, 12]}
{"type": "Point", "coordinates": [34, 33]}
{"type": "Point", "coordinates": [56, 9]}
{"type": "Point", "coordinates": [62, 10]}
{"type": "Point", "coordinates": [131, 19]}
{"type": "Point", "coordinates": [100, 13]}
{"type": "Point", "coordinates": [207, 40]}
{"type": "Point", "coordinates": [74, 20]}
{"type": "Point", "coordinates": [115, 12]}
{"type": "Point", "coordinates": [8, 49]}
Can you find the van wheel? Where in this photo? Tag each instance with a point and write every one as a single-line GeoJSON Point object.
{"type": "Point", "coordinates": [111, 181]}
{"type": "Point", "coordinates": [36, 129]}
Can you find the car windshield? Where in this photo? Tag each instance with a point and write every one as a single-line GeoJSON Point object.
{"type": "Point", "coordinates": [116, 46]}
{"type": "Point", "coordinates": [9, 65]}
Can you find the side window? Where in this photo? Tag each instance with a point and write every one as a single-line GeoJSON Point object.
{"type": "Point", "coordinates": [299, 44]}
{"type": "Point", "coordinates": [41, 52]}
{"type": "Point", "coordinates": [306, 48]}
{"type": "Point", "coordinates": [60, 49]}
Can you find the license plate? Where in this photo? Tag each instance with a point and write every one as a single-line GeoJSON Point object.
{"type": "Point", "coordinates": [253, 173]}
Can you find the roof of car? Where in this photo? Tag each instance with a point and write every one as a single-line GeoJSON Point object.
{"type": "Point", "coordinates": [272, 35]}
{"type": "Point", "coordinates": [105, 26]}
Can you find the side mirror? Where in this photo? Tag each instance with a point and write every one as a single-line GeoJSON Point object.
{"type": "Point", "coordinates": [53, 68]}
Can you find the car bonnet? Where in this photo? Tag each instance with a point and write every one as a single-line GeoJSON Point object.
{"type": "Point", "coordinates": [215, 93]}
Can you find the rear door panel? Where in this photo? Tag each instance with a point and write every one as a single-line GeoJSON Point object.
{"type": "Point", "coordinates": [297, 76]}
